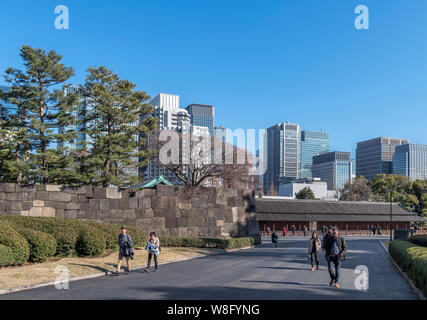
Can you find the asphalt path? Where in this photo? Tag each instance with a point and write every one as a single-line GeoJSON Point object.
{"type": "Point", "coordinates": [261, 273]}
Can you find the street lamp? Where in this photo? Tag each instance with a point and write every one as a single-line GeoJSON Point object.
{"type": "Point", "coordinates": [391, 215]}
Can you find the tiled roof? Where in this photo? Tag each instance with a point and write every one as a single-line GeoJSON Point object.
{"type": "Point", "coordinates": [315, 210]}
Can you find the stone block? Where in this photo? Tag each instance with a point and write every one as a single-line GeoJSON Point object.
{"type": "Point", "coordinates": [170, 222]}
{"type": "Point", "coordinates": [5, 205]}
{"type": "Point", "coordinates": [172, 212]}
{"type": "Point", "coordinates": [27, 205]}
{"type": "Point", "coordinates": [133, 203]}
{"type": "Point", "coordinates": [165, 202]}
{"type": "Point", "coordinates": [159, 221]}
{"type": "Point", "coordinates": [53, 187]}
{"type": "Point", "coordinates": [55, 204]}
{"type": "Point", "coordinates": [184, 205]}
{"type": "Point", "coordinates": [25, 213]}
{"type": "Point", "coordinates": [83, 198]}
{"type": "Point", "coordinates": [15, 205]}
{"type": "Point", "coordinates": [214, 232]}
{"type": "Point", "coordinates": [3, 195]}
{"type": "Point", "coordinates": [113, 193]}
{"type": "Point", "coordinates": [211, 222]}
{"type": "Point", "coordinates": [114, 203]}
{"type": "Point", "coordinates": [12, 196]}
{"type": "Point", "coordinates": [220, 223]}
{"type": "Point", "coordinates": [149, 213]}
{"type": "Point", "coordinates": [129, 214]}
{"type": "Point", "coordinates": [35, 212]}
{"type": "Point", "coordinates": [116, 213]}
{"type": "Point", "coordinates": [163, 190]}
{"type": "Point", "coordinates": [73, 206]}
{"type": "Point", "coordinates": [100, 193]}
{"type": "Point", "coordinates": [182, 222]}
{"type": "Point", "coordinates": [199, 201]}
{"type": "Point", "coordinates": [203, 232]}
{"type": "Point", "coordinates": [7, 187]}
{"type": "Point", "coordinates": [159, 212]}
{"type": "Point", "coordinates": [22, 196]}
{"type": "Point", "coordinates": [140, 213]}
{"type": "Point", "coordinates": [38, 203]}
{"type": "Point", "coordinates": [42, 195]}
{"type": "Point", "coordinates": [149, 192]}
{"type": "Point", "coordinates": [144, 202]}
{"type": "Point", "coordinates": [193, 231]}
{"type": "Point", "coordinates": [174, 232]}
{"type": "Point", "coordinates": [144, 223]}
{"type": "Point", "coordinates": [123, 203]}
{"type": "Point", "coordinates": [73, 214]}
{"type": "Point", "coordinates": [89, 191]}
{"type": "Point", "coordinates": [59, 196]}
{"type": "Point", "coordinates": [24, 188]}
{"type": "Point", "coordinates": [221, 201]}
{"type": "Point", "coordinates": [104, 204]}
{"type": "Point", "coordinates": [94, 204]}
{"type": "Point", "coordinates": [185, 213]}
{"type": "Point", "coordinates": [49, 212]}
{"type": "Point", "coordinates": [182, 232]}
{"type": "Point", "coordinates": [60, 213]}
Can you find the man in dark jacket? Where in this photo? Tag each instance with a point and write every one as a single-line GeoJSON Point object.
{"type": "Point", "coordinates": [125, 249]}
{"type": "Point", "coordinates": [335, 252]}
{"type": "Point", "coordinates": [328, 233]}
{"type": "Point", "coordinates": [274, 239]}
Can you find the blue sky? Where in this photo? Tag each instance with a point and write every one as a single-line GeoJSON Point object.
{"type": "Point", "coordinates": [258, 62]}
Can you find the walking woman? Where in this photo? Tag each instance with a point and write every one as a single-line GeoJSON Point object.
{"type": "Point", "coordinates": [153, 248]}
{"type": "Point", "coordinates": [314, 247]}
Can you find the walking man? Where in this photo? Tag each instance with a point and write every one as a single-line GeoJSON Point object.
{"type": "Point", "coordinates": [293, 230]}
{"type": "Point", "coordinates": [335, 252]}
{"type": "Point", "coordinates": [305, 231]}
{"type": "Point", "coordinates": [125, 249]}
{"type": "Point", "coordinates": [274, 239]}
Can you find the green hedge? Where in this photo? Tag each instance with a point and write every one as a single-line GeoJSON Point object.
{"type": "Point", "coordinates": [42, 245]}
{"type": "Point", "coordinates": [6, 256]}
{"type": "Point", "coordinates": [232, 243]}
{"type": "Point", "coordinates": [17, 243]}
{"type": "Point", "coordinates": [419, 239]}
{"type": "Point", "coordinates": [412, 259]}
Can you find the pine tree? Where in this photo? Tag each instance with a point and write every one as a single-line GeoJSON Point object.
{"type": "Point", "coordinates": [43, 108]}
{"type": "Point", "coordinates": [113, 125]}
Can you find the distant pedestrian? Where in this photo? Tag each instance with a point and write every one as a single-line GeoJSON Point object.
{"type": "Point", "coordinates": [314, 247]}
{"type": "Point", "coordinates": [284, 231]}
{"type": "Point", "coordinates": [125, 249]}
{"type": "Point", "coordinates": [325, 240]}
{"type": "Point", "coordinates": [372, 230]}
{"type": "Point", "coordinates": [274, 239]}
{"type": "Point", "coordinates": [293, 230]}
{"type": "Point", "coordinates": [305, 231]}
{"type": "Point", "coordinates": [379, 230]}
{"type": "Point", "coordinates": [324, 229]}
{"type": "Point", "coordinates": [335, 251]}
{"type": "Point", "coordinates": [415, 228]}
{"type": "Point", "coordinates": [268, 230]}
{"type": "Point", "coordinates": [153, 248]}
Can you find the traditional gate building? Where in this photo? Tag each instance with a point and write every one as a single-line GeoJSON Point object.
{"type": "Point", "coordinates": [346, 215]}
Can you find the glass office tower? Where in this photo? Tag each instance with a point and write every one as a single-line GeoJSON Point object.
{"type": "Point", "coordinates": [202, 115]}
{"type": "Point", "coordinates": [313, 143]}
{"type": "Point", "coordinates": [411, 160]}
{"type": "Point", "coordinates": [334, 168]}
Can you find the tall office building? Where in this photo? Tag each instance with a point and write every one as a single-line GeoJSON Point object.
{"type": "Point", "coordinates": [411, 160]}
{"type": "Point", "coordinates": [170, 117]}
{"type": "Point", "coordinates": [202, 115]}
{"type": "Point", "coordinates": [313, 143]}
{"type": "Point", "coordinates": [334, 168]}
{"type": "Point", "coordinates": [283, 155]}
{"type": "Point", "coordinates": [375, 156]}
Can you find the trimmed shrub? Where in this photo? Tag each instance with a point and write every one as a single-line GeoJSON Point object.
{"type": "Point", "coordinates": [90, 242]}
{"type": "Point", "coordinates": [17, 243]}
{"type": "Point", "coordinates": [6, 256]}
{"type": "Point", "coordinates": [64, 230]}
{"type": "Point", "coordinates": [419, 239]}
{"type": "Point", "coordinates": [42, 245]}
{"type": "Point", "coordinates": [412, 259]}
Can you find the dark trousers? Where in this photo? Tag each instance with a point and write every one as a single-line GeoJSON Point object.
{"type": "Point", "coordinates": [314, 258]}
{"type": "Point", "coordinates": [334, 262]}
{"type": "Point", "coordinates": [149, 260]}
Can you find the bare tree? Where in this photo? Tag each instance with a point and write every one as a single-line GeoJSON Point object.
{"type": "Point", "coordinates": [202, 160]}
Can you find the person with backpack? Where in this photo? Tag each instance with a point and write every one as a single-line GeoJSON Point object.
{"type": "Point", "coordinates": [335, 248]}
{"type": "Point", "coordinates": [274, 239]}
{"type": "Point", "coordinates": [314, 247]}
{"type": "Point", "coordinates": [153, 248]}
{"type": "Point", "coordinates": [125, 249]}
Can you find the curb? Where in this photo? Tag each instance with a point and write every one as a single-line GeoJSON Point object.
{"type": "Point", "coordinates": [417, 291]}
{"type": "Point", "coordinates": [98, 275]}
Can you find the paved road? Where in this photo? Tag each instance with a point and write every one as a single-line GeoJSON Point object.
{"type": "Point", "coordinates": [259, 273]}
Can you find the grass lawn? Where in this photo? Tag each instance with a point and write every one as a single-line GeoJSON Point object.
{"type": "Point", "coordinates": [34, 273]}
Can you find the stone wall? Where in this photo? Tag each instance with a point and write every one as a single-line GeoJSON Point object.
{"type": "Point", "coordinates": [170, 211]}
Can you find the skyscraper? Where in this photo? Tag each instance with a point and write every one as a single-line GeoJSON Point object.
{"type": "Point", "coordinates": [411, 160]}
{"type": "Point", "coordinates": [334, 168]}
{"type": "Point", "coordinates": [202, 115]}
{"type": "Point", "coordinates": [313, 143]}
{"type": "Point", "coordinates": [375, 156]}
{"type": "Point", "coordinates": [283, 155]}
